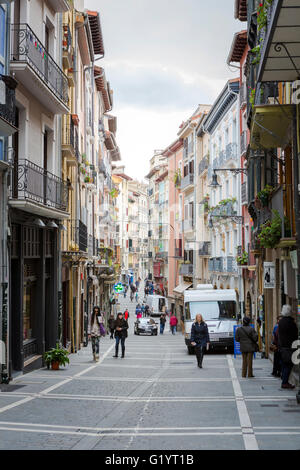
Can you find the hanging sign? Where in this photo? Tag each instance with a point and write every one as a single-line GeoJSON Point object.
{"type": "Point", "coordinates": [118, 288]}
{"type": "Point", "coordinates": [269, 275]}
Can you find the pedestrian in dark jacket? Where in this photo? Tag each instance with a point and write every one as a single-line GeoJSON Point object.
{"type": "Point", "coordinates": [121, 327]}
{"type": "Point", "coordinates": [287, 334]}
{"type": "Point", "coordinates": [275, 348]}
{"type": "Point", "coordinates": [199, 338]}
{"type": "Point", "coordinates": [247, 337]}
{"type": "Point", "coordinates": [162, 322]}
{"type": "Point", "coordinates": [111, 325]}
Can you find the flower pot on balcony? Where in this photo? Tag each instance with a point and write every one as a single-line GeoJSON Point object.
{"type": "Point", "coordinates": [55, 365]}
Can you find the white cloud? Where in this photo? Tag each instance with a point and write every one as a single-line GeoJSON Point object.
{"type": "Point", "coordinates": [162, 59]}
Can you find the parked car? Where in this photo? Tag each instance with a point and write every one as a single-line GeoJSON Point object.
{"type": "Point", "coordinates": [146, 326]}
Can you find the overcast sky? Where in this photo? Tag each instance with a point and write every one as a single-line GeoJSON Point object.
{"type": "Point", "coordinates": [162, 59]}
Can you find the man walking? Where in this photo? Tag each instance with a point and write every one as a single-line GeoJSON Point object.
{"type": "Point", "coordinates": [162, 323]}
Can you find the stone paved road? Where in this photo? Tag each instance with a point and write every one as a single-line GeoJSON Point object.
{"type": "Point", "coordinates": [155, 398]}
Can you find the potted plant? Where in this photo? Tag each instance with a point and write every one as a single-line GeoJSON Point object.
{"type": "Point", "coordinates": [56, 357]}
{"type": "Point", "coordinates": [242, 259]}
{"type": "Point", "coordinates": [270, 233]}
{"type": "Point", "coordinates": [177, 178]}
{"type": "Point", "coordinates": [265, 194]}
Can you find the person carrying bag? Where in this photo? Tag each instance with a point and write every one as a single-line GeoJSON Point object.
{"type": "Point", "coordinates": [247, 337]}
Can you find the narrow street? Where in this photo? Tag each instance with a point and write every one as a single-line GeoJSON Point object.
{"type": "Point", "coordinates": [154, 398]}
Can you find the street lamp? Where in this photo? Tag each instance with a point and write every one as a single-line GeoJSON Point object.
{"type": "Point", "coordinates": [214, 182]}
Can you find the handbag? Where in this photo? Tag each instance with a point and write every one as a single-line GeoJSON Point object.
{"type": "Point", "coordinates": [273, 347]}
{"type": "Point", "coordinates": [102, 330]}
{"type": "Point", "coordinates": [255, 343]}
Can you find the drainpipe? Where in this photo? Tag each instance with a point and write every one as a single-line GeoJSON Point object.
{"type": "Point", "coordinates": [296, 145]}
{"type": "Point", "coordinates": [4, 269]}
{"type": "Point", "coordinates": [241, 283]}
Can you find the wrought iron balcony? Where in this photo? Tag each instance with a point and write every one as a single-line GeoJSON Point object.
{"type": "Point", "coordinates": [76, 236]}
{"type": "Point", "coordinates": [243, 95]}
{"type": "Point", "coordinates": [205, 249]}
{"type": "Point", "coordinates": [243, 142]}
{"type": "Point", "coordinates": [231, 264]}
{"type": "Point", "coordinates": [70, 142]}
{"type": "Point", "coordinates": [7, 105]}
{"type": "Point", "coordinates": [188, 224]}
{"type": "Point", "coordinates": [29, 54]}
{"type": "Point", "coordinates": [216, 264]}
{"type": "Point", "coordinates": [186, 269]}
{"type": "Point", "coordinates": [203, 165]}
{"type": "Point", "coordinates": [67, 47]}
{"type": "Point", "coordinates": [187, 181]}
{"type": "Point", "coordinates": [34, 184]}
{"type": "Point", "coordinates": [244, 193]}
{"type": "Point", "coordinates": [231, 151]}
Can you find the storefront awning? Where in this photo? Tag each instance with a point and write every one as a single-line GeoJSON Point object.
{"type": "Point", "coordinates": [182, 287]}
{"type": "Point", "coordinates": [271, 126]}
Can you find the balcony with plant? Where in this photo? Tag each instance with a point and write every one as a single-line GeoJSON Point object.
{"type": "Point", "coordinates": [270, 232]}
{"type": "Point", "coordinates": [242, 259]}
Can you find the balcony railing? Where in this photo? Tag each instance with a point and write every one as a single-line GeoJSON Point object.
{"type": "Point", "coordinates": [7, 100]}
{"type": "Point", "coordinates": [216, 264]}
{"type": "Point", "coordinates": [205, 249]}
{"type": "Point", "coordinates": [203, 165]}
{"type": "Point", "coordinates": [244, 193]}
{"type": "Point", "coordinates": [33, 183]}
{"type": "Point", "coordinates": [188, 224]}
{"type": "Point", "coordinates": [243, 95]}
{"type": "Point", "coordinates": [28, 48]}
{"type": "Point", "coordinates": [187, 181]}
{"type": "Point", "coordinates": [231, 264]}
{"type": "Point", "coordinates": [76, 237]}
{"type": "Point", "coordinates": [67, 47]}
{"type": "Point", "coordinates": [186, 270]}
{"type": "Point", "coordinates": [243, 142]}
{"type": "Point", "coordinates": [70, 136]}
{"type": "Point", "coordinates": [231, 151]}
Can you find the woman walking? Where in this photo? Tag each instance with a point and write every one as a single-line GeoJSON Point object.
{"type": "Point", "coordinates": [121, 327]}
{"type": "Point", "coordinates": [111, 325]}
{"type": "Point", "coordinates": [199, 338]}
{"type": "Point", "coordinates": [96, 330]}
{"type": "Point", "coordinates": [247, 337]}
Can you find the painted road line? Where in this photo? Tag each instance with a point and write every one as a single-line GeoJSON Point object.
{"type": "Point", "coordinates": [125, 434]}
{"type": "Point", "coordinates": [137, 398]}
{"type": "Point", "coordinates": [144, 429]}
{"type": "Point", "coordinates": [250, 441]}
{"type": "Point", "coordinates": [18, 403]}
{"type": "Point", "coordinates": [79, 374]}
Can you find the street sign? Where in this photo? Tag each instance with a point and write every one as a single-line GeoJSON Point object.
{"type": "Point", "coordinates": [237, 349]}
{"type": "Point", "coordinates": [118, 288]}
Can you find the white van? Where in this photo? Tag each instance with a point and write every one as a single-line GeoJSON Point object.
{"type": "Point", "coordinates": [220, 310]}
{"type": "Point", "coordinates": [156, 304]}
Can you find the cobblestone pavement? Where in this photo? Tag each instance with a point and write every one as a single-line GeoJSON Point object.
{"type": "Point", "coordinates": [154, 398]}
